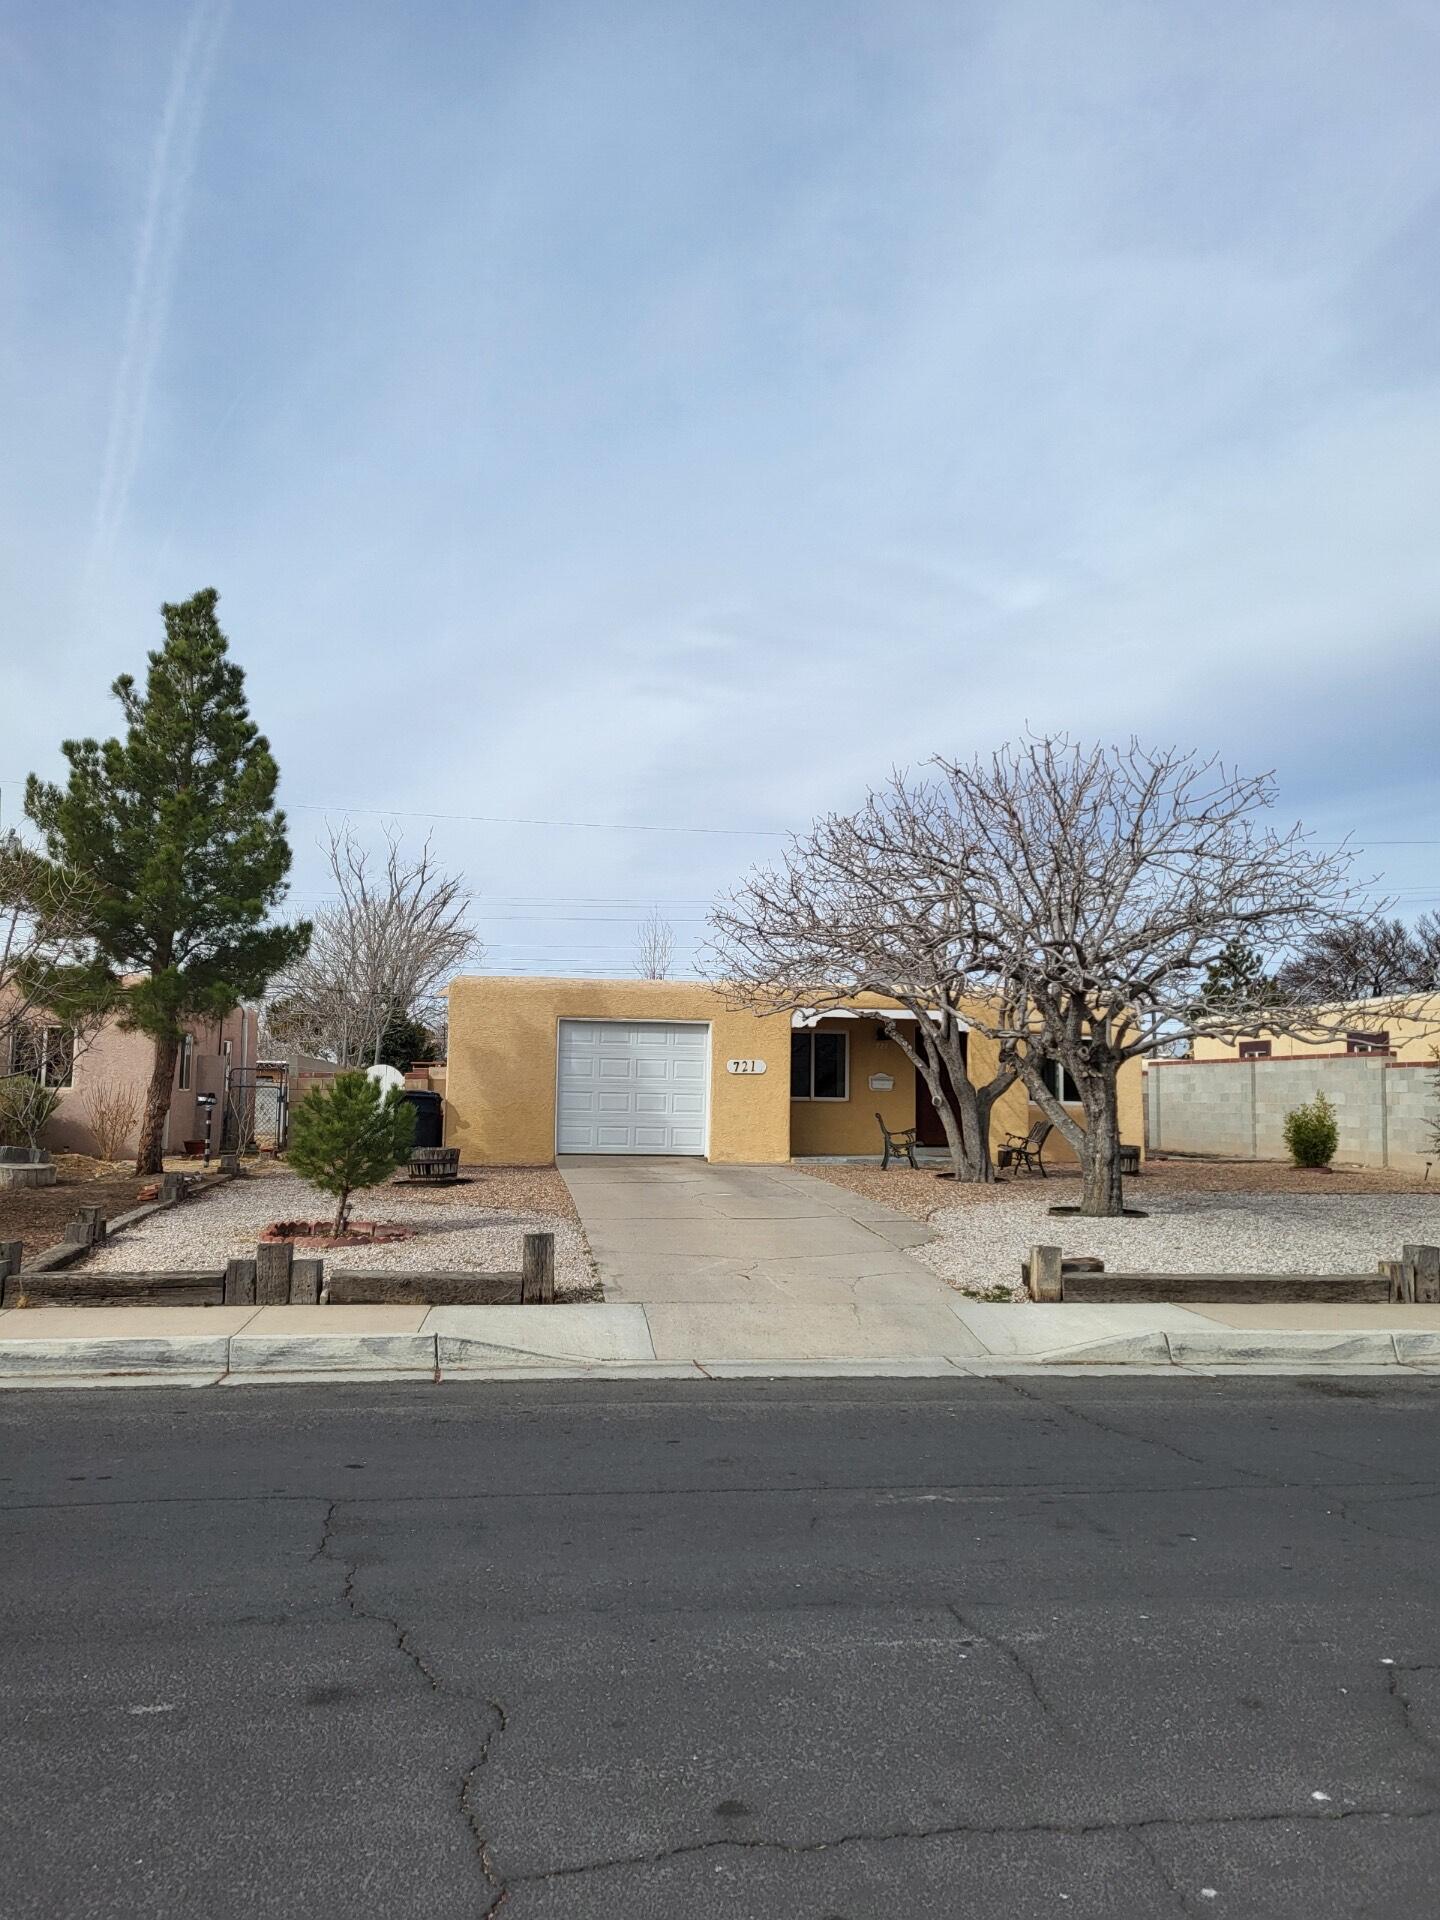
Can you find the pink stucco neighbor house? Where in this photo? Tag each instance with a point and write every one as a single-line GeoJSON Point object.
{"type": "Point", "coordinates": [213, 1052]}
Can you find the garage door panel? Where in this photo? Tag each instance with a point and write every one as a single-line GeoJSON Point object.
{"type": "Point", "coordinates": [632, 1087]}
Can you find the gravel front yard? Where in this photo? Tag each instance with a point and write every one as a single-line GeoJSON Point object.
{"type": "Point", "coordinates": [476, 1227]}
{"type": "Point", "coordinates": [982, 1246]}
{"type": "Point", "coordinates": [921, 1194]}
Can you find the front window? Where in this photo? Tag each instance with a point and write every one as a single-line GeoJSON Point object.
{"type": "Point", "coordinates": [1060, 1083]}
{"type": "Point", "coordinates": [45, 1054]}
{"type": "Point", "coordinates": [187, 1059]}
{"type": "Point", "coordinates": [819, 1066]}
{"type": "Point", "coordinates": [1367, 1043]}
{"type": "Point", "coordinates": [1254, 1049]}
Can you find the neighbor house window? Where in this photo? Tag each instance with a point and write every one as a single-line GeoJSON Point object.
{"type": "Point", "coordinates": [819, 1066]}
{"type": "Point", "coordinates": [1060, 1083]}
{"type": "Point", "coordinates": [46, 1054]}
{"type": "Point", "coordinates": [1254, 1049]}
{"type": "Point", "coordinates": [187, 1059]}
{"type": "Point", "coordinates": [1367, 1043]}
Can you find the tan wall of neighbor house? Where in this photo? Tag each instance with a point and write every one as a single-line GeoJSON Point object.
{"type": "Point", "coordinates": [1414, 1030]}
{"type": "Point", "coordinates": [500, 1074]}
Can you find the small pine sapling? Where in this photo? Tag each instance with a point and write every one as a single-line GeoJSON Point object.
{"type": "Point", "coordinates": [349, 1136]}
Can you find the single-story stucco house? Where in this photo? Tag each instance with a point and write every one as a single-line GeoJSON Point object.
{"type": "Point", "coordinates": [669, 1067]}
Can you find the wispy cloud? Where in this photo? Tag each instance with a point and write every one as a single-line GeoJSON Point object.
{"type": "Point", "coordinates": [157, 252]}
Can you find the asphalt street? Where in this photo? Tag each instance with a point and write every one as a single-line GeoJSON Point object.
{"type": "Point", "coordinates": [667, 1651]}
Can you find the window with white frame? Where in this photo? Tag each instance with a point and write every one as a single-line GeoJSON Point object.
{"type": "Point", "coordinates": [187, 1059]}
{"type": "Point", "coordinates": [1060, 1083]}
{"type": "Point", "coordinates": [43, 1053]}
{"type": "Point", "coordinates": [819, 1066]}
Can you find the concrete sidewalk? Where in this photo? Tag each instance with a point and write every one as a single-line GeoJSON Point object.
{"type": "Point", "coordinates": [246, 1345]}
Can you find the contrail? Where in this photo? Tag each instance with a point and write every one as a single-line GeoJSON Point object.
{"type": "Point", "coordinates": [161, 231]}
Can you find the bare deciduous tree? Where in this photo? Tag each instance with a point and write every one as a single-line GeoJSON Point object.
{"type": "Point", "coordinates": [855, 909]}
{"type": "Point", "coordinates": [396, 932]}
{"type": "Point", "coordinates": [1364, 959]}
{"type": "Point", "coordinates": [1097, 887]}
{"type": "Point", "coordinates": [1070, 903]}
{"type": "Point", "coordinates": [654, 947]}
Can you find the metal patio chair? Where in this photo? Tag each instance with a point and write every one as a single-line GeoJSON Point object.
{"type": "Point", "coordinates": [899, 1144]}
{"type": "Point", "coordinates": [1027, 1150]}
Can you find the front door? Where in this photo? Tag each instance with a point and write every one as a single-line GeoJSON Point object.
{"type": "Point", "coordinates": [929, 1127]}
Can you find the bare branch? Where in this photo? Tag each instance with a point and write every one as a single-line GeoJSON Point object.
{"type": "Point", "coordinates": [397, 930]}
{"type": "Point", "coordinates": [654, 947]}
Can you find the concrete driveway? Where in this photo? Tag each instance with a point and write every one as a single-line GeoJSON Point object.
{"type": "Point", "coordinates": [771, 1260]}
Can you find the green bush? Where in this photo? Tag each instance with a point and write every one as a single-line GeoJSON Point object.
{"type": "Point", "coordinates": [1311, 1133]}
{"type": "Point", "coordinates": [349, 1136]}
{"type": "Point", "coordinates": [26, 1109]}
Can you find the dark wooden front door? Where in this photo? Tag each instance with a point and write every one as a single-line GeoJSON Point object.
{"type": "Point", "coordinates": [929, 1127]}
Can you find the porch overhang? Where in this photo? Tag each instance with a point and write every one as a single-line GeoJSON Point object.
{"type": "Point", "coordinates": [812, 1016]}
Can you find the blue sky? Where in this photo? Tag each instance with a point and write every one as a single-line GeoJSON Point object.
{"type": "Point", "coordinates": [679, 415]}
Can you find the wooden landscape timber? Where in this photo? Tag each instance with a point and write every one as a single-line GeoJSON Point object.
{"type": "Point", "coordinates": [274, 1277]}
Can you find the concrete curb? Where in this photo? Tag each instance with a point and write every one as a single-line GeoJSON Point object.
{"type": "Point", "coordinates": [278, 1359]}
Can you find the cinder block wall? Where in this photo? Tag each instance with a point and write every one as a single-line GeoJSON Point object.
{"type": "Point", "coordinates": [1383, 1108]}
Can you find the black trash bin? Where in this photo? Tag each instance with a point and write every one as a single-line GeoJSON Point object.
{"type": "Point", "coordinates": [429, 1116]}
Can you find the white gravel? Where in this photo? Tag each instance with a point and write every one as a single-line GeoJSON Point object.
{"type": "Point", "coordinates": [459, 1235]}
{"type": "Point", "coordinates": [982, 1246]}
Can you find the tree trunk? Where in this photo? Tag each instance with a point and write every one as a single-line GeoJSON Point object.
{"type": "Point", "coordinates": [1102, 1193]}
{"type": "Point", "coordinates": [979, 1169]}
{"type": "Point", "coordinates": [150, 1155]}
{"type": "Point", "coordinates": [342, 1211]}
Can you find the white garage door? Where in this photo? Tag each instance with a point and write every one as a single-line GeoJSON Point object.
{"type": "Point", "coordinates": [632, 1087]}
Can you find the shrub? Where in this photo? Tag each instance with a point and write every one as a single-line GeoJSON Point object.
{"type": "Point", "coordinates": [1311, 1133]}
{"type": "Point", "coordinates": [26, 1109]}
{"type": "Point", "coordinates": [347, 1136]}
{"type": "Point", "coordinates": [113, 1110]}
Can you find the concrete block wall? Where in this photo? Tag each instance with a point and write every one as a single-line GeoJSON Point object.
{"type": "Point", "coordinates": [1383, 1108]}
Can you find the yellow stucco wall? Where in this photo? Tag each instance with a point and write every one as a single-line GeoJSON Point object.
{"type": "Point", "coordinates": [500, 1078]}
{"type": "Point", "coordinates": [1413, 1033]}
{"type": "Point", "coordinates": [500, 1083]}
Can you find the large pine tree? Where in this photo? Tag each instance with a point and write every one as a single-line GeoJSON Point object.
{"type": "Point", "coordinates": [176, 827]}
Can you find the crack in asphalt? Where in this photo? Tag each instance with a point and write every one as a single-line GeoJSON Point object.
{"type": "Point", "coordinates": [1429, 1742]}
{"type": "Point", "coordinates": [1252, 1475]}
{"type": "Point", "coordinates": [404, 1644]}
{"type": "Point", "coordinates": [1183, 1903]}
{"type": "Point", "coordinates": [499, 1722]}
{"type": "Point", "coordinates": [1078, 1830]}
{"type": "Point", "coordinates": [400, 1634]}
{"type": "Point", "coordinates": [1017, 1662]}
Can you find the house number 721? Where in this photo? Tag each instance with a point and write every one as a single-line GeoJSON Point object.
{"type": "Point", "coordinates": [745, 1066]}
